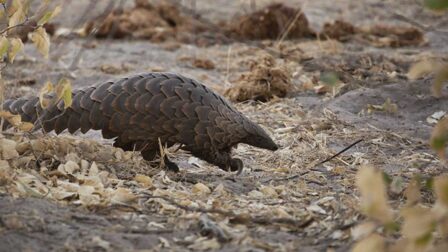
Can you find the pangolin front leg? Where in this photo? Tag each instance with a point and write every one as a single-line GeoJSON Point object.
{"type": "Point", "coordinates": [148, 108]}
{"type": "Point", "coordinates": [149, 152]}
{"type": "Point", "coordinates": [221, 158]}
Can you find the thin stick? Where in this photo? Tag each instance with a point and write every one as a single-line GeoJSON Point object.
{"type": "Point", "coordinates": [339, 153]}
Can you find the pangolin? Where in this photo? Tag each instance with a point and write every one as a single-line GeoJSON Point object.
{"type": "Point", "coordinates": [141, 110]}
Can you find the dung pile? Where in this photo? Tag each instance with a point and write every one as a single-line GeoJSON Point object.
{"type": "Point", "coordinates": [378, 35]}
{"type": "Point", "coordinates": [339, 30]}
{"type": "Point", "coordinates": [271, 22]}
{"type": "Point", "coordinates": [157, 23]}
{"type": "Point", "coordinates": [393, 36]}
{"type": "Point", "coordinates": [264, 81]}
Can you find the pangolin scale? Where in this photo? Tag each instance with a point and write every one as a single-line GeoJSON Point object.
{"type": "Point", "coordinates": [139, 110]}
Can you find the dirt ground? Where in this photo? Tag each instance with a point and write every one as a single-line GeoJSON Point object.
{"type": "Point", "coordinates": [283, 200]}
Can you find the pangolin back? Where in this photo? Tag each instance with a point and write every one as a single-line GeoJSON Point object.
{"type": "Point", "coordinates": [139, 110]}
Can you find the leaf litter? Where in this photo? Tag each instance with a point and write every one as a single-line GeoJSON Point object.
{"type": "Point", "coordinates": [346, 202]}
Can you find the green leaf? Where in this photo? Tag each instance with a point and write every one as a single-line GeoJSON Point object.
{"type": "Point", "coordinates": [49, 15]}
{"type": "Point", "coordinates": [16, 46]}
{"type": "Point", "coordinates": [436, 4]}
{"type": "Point", "coordinates": [64, 92]}
{"type": "Point", "coordinates": [330, 78]}
{"type": "Point", "coordinates": [4, 45]}
{"type": "Point", "coordinates": [429, 183]}
{"type": "Point", "coordinates": [392, 227]}
{"type": "Point", "coordinates": [439, 79]}
{"type": "Point", "coordinates": [439, 137]}
{"type": "Point", "coordinates": [387, 178]}
{"type": "Point", "coordinates": [424, 240]}
{"type": "Point", "coordinates": [47, 88]}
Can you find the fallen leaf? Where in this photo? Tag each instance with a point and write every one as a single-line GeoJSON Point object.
{"type": "Point", "coordinates": [123, 196]}
{"type": "Point", "coordinates": [268, 191]}
{"type": "Point", "coordinates": [98, 241]}
{"type": "Point", "coordinates": [200, 189]}
{"type": "Point", "coordinates": [204, 243]}
{"type": "Point", "coordinates": [144, 180]}
{"type": "Point", "coordinates": [8, 149]}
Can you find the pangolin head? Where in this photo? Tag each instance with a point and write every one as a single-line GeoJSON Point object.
{"type": "Point", "coordinates": [258, 137]}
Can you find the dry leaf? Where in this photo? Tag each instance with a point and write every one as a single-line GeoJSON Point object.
{"type": "Point", "coordinates": [421, 68]}
{"type": "Point", "coordinates": [418, 225]}
{"type": "Point", "coordinates": [16, 47]}
{"type": "Point", "coordinates": [71, 167]}
{"type": "Point", "coordinates": [16, 121]}
{"type": "Point", "coordinates": [64, 92]}
{"type": "Point", "coordinates": [86, 196]}
{"type": "Point", "coordinates": [441, 189]}
{"type": "Point", "coordinates": [373, 194]}
{"type": "Point", "coordinates": [123, 196]}
{"type": "Point", "coordinates": [4, 45]}
{"type": "Point", "coordinates": [439, 137]}
{"type": "Point", "coordinates": [98, 241]}
{"type": "Point", "coordinates": [19, 13]}
{"type": "Point", "coordinates": [362, 230]}
{"type": "Point", "coordinates": [439, 79]}
{"type": "Point", "coordinates": [204, 243]}
{"type": "Point", "coordinates": [373, 243]}
{"type": "Point", "coordinates": [144, 180]}
{"type": "Point", "coordinates": [8, 149]}
{"type": "Point", "coordinates": [268, 191]}
{"type": "Point", "coordinates": [431, 66]}
{"type": "Point", "coordinates": [49, 15]}
{"type": "Point", "coordinates": [388, 106]}
{"type": "Point", "coordinates": [47, 88]}
{"type": "Point", "coordinates": [412, 192]}
{"type": "Point", "coordinates": [200, 189]}
{"type": "Point", "coordinates": [41, 40]}
{"type": "Point", "coordinates": [93, 171]}
{"type": "Point", "coordinates": [316, 209]}
{"type": "Point", "coordinates": [26, 126]}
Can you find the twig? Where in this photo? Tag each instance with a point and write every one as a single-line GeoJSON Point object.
{"type": "Point", "coordinates": [339, 153]}
{"type": "Point", "coordinates": [320, 163]}
{"type": "Point", "coordinates": [287, 178]}
{"type": "Point", "coordinates": [24, 23]}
